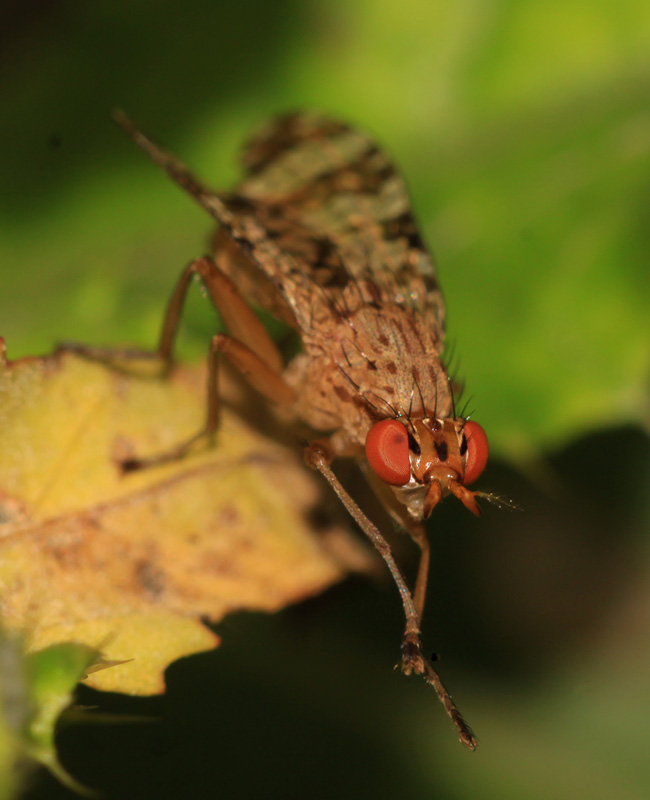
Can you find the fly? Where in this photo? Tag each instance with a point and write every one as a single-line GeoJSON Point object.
{"type": "Point", "coordinates": [321, 234]}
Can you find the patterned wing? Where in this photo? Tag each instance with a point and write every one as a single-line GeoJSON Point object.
{"type": "Point", "coordinates": [324, 218]}
{"type": "Point", "coordinates": [330, 198]}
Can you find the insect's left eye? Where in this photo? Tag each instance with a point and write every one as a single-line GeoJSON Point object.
{"type": "Point", "coordinates": [387, 451]}
{"type": "Point", "coordinates": [477, 451]}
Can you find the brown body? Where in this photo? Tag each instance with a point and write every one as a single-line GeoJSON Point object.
{"type": "Point", "coordinates": [320, 233]}
{"type": "Point", "coordinates": [362, 359]}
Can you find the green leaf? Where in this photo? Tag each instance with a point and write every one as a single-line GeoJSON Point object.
{"type": "Point", "coordinates": [51, 675]}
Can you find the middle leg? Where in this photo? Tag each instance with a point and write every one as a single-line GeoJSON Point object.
{"type": "Point", "coordinates": [263, 378]}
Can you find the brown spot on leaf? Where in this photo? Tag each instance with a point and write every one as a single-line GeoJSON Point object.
{"type": "Point", "coordinates": [150, 578]}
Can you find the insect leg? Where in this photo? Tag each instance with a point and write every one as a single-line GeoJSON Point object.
{"type": "Point", "coordinates": [171, 321]}
{"type": "Point", "coordinates": [317, 457]}
{"type": "Point", "coordinates": [257, 372]}
{"type": "Point", "coordinates": [235, 312]}
{"type": "Point", "coordinates": [238, 317]}
{"type": "Point", "coordinates": [170, 327]}
{"type": "Point", "coordinates": [419, 536]}
{"type": "Point", "coordinates": [413, 659]}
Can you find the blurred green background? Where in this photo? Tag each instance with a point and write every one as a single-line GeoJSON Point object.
{"type": "Point", "coordinates": [523, 130]}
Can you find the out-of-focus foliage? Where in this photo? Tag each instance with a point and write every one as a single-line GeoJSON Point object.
{"type": "Point", "coordinates": [36, 689]}
{"type": "Point", "coordinates": [523, 130]}
{"type": "Point", "coordinates": [50, 676]}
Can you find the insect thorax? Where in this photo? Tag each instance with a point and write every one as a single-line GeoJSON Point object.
{"type": "Point", "coordinates": [371, 364]}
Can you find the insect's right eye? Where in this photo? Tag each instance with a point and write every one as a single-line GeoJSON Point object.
{"type": "Point", "coordinates": [387, 451]}
{"type": "Point", "coordinates": [477, 451]}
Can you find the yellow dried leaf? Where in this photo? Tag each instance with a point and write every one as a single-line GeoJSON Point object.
{"type": "Point", "coordinates": [129, 564]}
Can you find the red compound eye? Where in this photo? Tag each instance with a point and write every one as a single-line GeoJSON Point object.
{"type": "Point", "coordinates": [477, 451]}
{"type": "Point", "coordinates": [387, 451]}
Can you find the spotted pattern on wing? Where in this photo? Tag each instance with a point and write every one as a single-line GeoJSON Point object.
{"type": "Point", "coordinates": [330, 198]}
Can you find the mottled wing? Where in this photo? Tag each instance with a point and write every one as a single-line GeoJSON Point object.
{"type": "Point", "coordinates": [324, 218]}
{"type": "Point", "coordinates": [330, 199]}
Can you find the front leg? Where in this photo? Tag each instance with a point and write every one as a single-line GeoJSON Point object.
{"type": "Point", "coordinates": [318, 456]}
